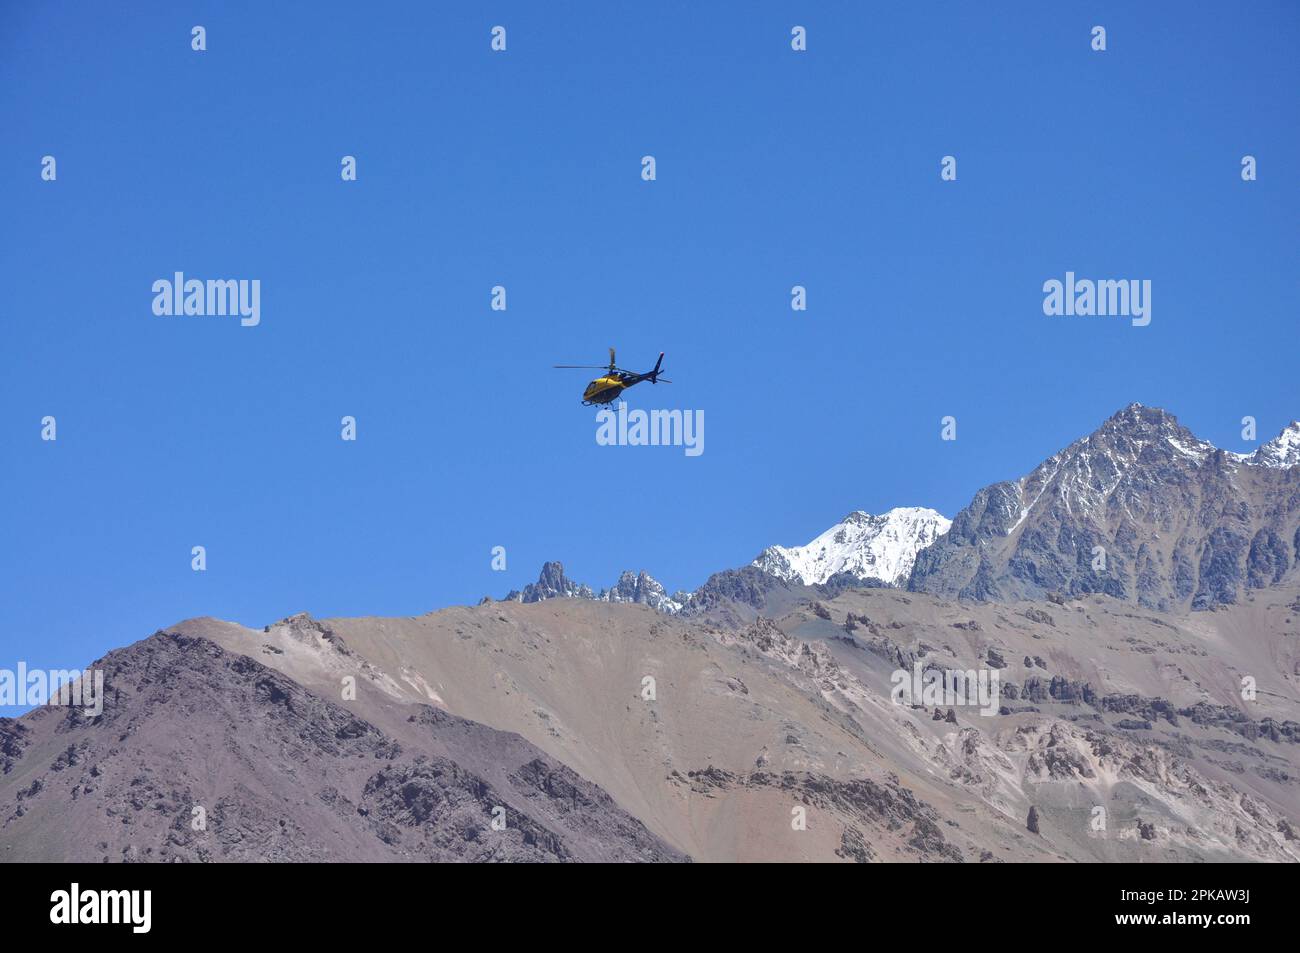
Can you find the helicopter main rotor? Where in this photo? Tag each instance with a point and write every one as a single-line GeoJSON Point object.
{"type": "Point", "coordinates": [611, 368]}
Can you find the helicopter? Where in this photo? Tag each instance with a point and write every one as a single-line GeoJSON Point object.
{"type": "Point", "coordinates": [615, 380]}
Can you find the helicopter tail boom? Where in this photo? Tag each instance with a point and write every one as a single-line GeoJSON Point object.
{"type": "Point", "coordinates": [654, 375]}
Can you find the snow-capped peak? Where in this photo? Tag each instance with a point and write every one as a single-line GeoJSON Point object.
{"type": "Point", "coordinates": [1083, 477]}
{"type": "Point", "coordinates": [1282, 451]}
{"type": "Point", "coordinates": [867, 547]}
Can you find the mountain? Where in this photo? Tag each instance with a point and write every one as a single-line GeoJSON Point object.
{"type": "Point", "coordinates": [643, 589]}
{"type": "Point", "coordinates": [609, 731]}
{"type": "Point", "coordinates": [1282, 452]}
{"type": "Point", "coordinates": [640, 588]}
{"type": "Point", "coordinates": [205, 754]}
{"type": "Point", "coordinates": [552, 583]}
{"type": "Point", "coordinates": [1142, 510]}
{"type": "Point", "coordinates": [870, 549]}
{"type": "Point", "coordinates": [621, 733]}
{"type": "Point", "coordinates": [736, 596]}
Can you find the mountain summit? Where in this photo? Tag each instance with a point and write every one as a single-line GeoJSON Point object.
{"type": "Point", "coordinates": [551, 583]}
{"type": "Point", "coordinates": [868, 548]}
{"type": "Point", "coordinates": [640, 588]}
{"type": "Point", "coordinates": [1282, 451]}
{"type": "Point", "coordinates": [1142, 509]}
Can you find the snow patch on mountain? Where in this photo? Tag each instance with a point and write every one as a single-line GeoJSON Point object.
{"type": "Point", "coordinates": [878, 548]}
{"type": "Point", "coordinates": [1282, 451]}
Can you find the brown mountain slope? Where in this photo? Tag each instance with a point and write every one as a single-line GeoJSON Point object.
{"type": "Point", "coordinates": [752, 721]}
{"type": "Point", "coordinates": [716, 763]}
{"type": "Point", "coordinates": [205, 754]}
{"type": "Point", "coordinates": [771, 738]}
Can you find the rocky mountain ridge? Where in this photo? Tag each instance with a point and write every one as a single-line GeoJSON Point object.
{"type": "Point", "coordinates": [640, 588]}
{"type": "Point", "coordinates": [1142, 510]}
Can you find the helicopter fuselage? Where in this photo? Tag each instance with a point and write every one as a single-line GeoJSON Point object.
{"type": "Point", "coordinates": [605, 389]}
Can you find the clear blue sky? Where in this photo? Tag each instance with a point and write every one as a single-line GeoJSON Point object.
{"type": "Point", "coordinates": [523, 169]}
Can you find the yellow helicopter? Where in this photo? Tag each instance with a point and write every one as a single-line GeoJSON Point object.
{"type": "Point", "coordinates": [615, 380]}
